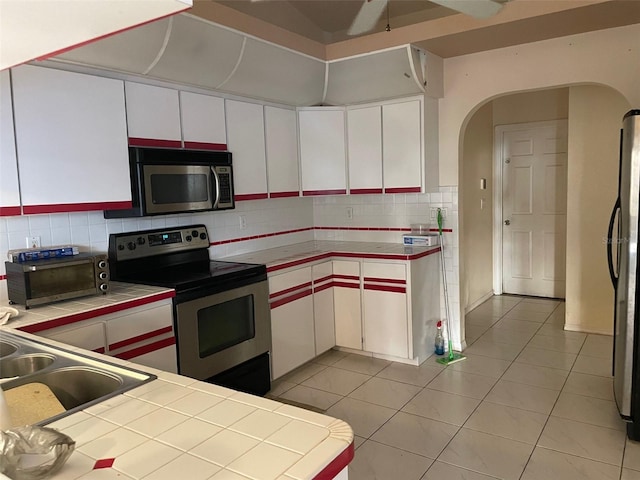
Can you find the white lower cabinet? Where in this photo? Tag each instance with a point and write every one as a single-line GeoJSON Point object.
{"type": "Point", "coordinates": [323, 315]}
{"type": "Point", "coordinates": [90, 335]}
{"type": "Point", "coordinates": [292, 330]}
{"type": "Point", "coordinates": [347, 304]}
{"type": "Point", "coordinates": [384, 300]}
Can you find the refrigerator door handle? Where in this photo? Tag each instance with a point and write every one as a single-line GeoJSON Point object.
{"type": "Point", "coordinates": [612, 273]}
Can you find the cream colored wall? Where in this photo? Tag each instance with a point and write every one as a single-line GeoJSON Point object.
{"type": "Point", "coordinates": [476, 227]}
{"type": "Point", "coordinates": [595, 117]}
{"type": "Point", "coordinates": [537, 106]}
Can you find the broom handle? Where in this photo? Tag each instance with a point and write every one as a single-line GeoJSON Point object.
{"type": "Point", "coordinates": [444, 286]}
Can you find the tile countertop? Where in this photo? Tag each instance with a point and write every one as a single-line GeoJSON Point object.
{"type": "Point", "coordinates": [175, 426]}
{"type": "Point", "coordinates": [121, 297]}
{"type": "Point", "coordinates": [299, 253]}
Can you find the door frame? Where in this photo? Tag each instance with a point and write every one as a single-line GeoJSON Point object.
{"type": "Point", "coordinates": [498, 132]}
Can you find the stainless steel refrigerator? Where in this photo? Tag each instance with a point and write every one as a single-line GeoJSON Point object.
{"type": "Point", "coordinates": [622, 254]}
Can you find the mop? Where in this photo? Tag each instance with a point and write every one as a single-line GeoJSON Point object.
{"type": "Point", "coordinates": [452, 356]}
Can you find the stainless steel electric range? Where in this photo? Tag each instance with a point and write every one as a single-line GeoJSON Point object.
{"type": "Point", "coordinates": [221, 312]}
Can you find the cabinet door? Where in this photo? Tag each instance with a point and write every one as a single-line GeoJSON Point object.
{"type": "Point", "coordinates": [71, 141]}
{"type": "Point", "coordinates": [364, 133]}
{"type": "Point", "coordinates": [282, 152]}
{"type": "Point", "coordinates": [9, 191]}
{"type": "Point", "coordinates": [245, 134]}
{"type": "Point", "coordinates": [402, 147]}
{"type": "Point", "coordinates": [323, 316]}
{"type": "Point", "coordinates": [144, 335]}
{"type": "Point", "coordinates": [89, 336]}
{"type": "Point", "coordinates": [385, 309]}
{"type": "Point", "coordinates": [322, 151]}
{"type": "Point", "coordinates": [292, 331]}
{"type": "Point", "coordinates": [347, 304]}
{"type": "Point", "coordinates": [153, 116]}
{"type": "Point", "coordinates": [203, 122]}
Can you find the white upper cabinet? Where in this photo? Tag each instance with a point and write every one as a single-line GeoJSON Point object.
{"type": "Point", "coordinates": [9, 190]}
{"type": "Point", "coordinates": [402, 146]}
{"type": "Point", "coordinates": [364, 133]}
{"type": "Point", "coordinates": [153, 116]}
{"type": "Point", "coordinates": [245, 134]}
{"type": "Point", "coordinates": [203, 122]}
{"type": "Point", "coordinates": [71, 138]}
{"type": "Point", "coordinates": [322, 150]}
{"type": "Point", "coordinates": [282, 152]}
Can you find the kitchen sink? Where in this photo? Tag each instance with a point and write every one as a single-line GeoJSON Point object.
{"type": "Point", "coordinates": [76, 380]}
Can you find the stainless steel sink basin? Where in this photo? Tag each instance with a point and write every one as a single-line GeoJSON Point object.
{"type": "Point", "coordinates": [78, 381]}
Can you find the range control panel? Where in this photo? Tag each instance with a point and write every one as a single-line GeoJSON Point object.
{"type": "Point", "coordinates": [147, 243]}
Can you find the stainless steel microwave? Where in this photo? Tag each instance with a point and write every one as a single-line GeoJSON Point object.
{"type": "Point", "coordinates": [45, 281]}
{"type": "Point", "coordinates": [165, 181]}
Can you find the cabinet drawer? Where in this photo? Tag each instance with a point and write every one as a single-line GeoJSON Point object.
{"type": "Point", "coordinates": [289, 282]}
{"type": "Point", "coordinates": [384, 271]}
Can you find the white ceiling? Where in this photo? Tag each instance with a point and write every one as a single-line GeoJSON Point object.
{"type": "Point", "coordinates": [318, 27]}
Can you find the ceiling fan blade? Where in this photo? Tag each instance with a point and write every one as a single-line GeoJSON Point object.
{"type": "Point", "coordinates": [474, 8]}
{"type": "Point", "coordinates": [367, 16]}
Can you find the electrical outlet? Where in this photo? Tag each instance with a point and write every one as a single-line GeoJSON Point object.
{"type": "Point", "coordinates": [349, 212]}
{"type": "Point", "coordinates": [433, 213]}
{"type": "Point", "coordinates": [33, 241]}
{"type": "Point", "coordinates": [243, 221]}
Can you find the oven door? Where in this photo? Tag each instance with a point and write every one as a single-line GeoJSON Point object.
{"type": "Point", "coordinates": [220, 331]}
{"type": "Point", "coordinates": [177, 188]}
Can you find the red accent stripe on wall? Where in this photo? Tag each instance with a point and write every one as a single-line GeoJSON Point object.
{"type": "Point", "coordinates": [250, 196]}
{"type": "Point", "coordinates": [336, 465]}
{"type": "Point", "coordinates": [385, 288]}
{"type": "Point", "coordinates": [365, 191]}
{"type": "Point", "coordinates": [3, 277]}
{"type": "Point", "coordinates": [403, 190]}
{"type": "Point", "coordinates": [78, 317]}
{"type": "Point", "coordinates": [323, 279]}
{"type": "Point", "coordinates": [205, 146]}
{"type": "Point", "coordinates": [322, 287]}
{"type": "Point", "coordinates": [264, 235]}
{"type": "Point", "coordinates": [385, 280]}
{"type": "Point", "coordinates": [75, 207]}
{"type": "Point", "coordinates": [346, 285]}
{"type": "Point", "coordinates": [99, 350]}
{"type": "Point", "coordinates": [284, 194]}
{"type": "Point", "coordinates": [289, 290]}
{"type": "Point", "coordinates": [302, 261]}
{"type": "Point", "coordinates": [446, 230]}
{"type": "Point", "coordinates": [375, 229]}
{"type": "Point", "coordinates": [292, 298]}
{"type": "Point", "coordinates": [310, 193]}
{"type": "Point", "coordinates": [152, 347]}
{"type": "Point", "coordinates": [154, 142]}
{"type": "Point", "coordinates": [140, 338]}
{"type": "Point", "coordinates": [347, 277]}
{"type": "Point", "coordinates": [10, 211]}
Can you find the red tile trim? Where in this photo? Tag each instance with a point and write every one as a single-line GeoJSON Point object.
{"type": "Point", "coordinates": [302, 261]}
{"type": "Point", "coordinates": [385, 288]}
{"type": "Point", "coordinates": [154, 142]}
{"type": "Point", "coordinates": [365, 191]}
{"type": "Point", "coordinates": [373, 229]}
{"type": "Point", "coordinates": [336, 465]}
{"type": "Point", "coordinates": [3, 277]}
{"type": "Point", "coordinates": [10, 211]}
{"type": "Point", "coordinates": [205, 146]}
{"type": "Point", "coordinates": [289, 290]}
{"type": "Point", "coordinates": [250, 196]}
{"type": "Point", "coordinates": [310, 193]}
{"type": "Point", "coordinates": [78, 317]}
{"type": "Point", "coordinates": [152, 347]}
{"type": "Point", "coordinates": [403, 190]}
{"type": "Point", "coordinates": [99, 350]}
{"type": "Point", "coordinates": [104, 463]}
{"type": "Point", "coordinates": [385, 280]}
{"type": "Point", "coordinates": [347, 277]}
{"type": "Point", "coordinates": [423, 254]}
{"type": "Point", "coordinates": [346, 285]}
{"type": "Point", "coordinates": [292, 298]}
{"type": "Point", "coordinates": [66, 49]}
{"type": "Point", "coordinates": [264, 235]}
{"type": "Point", "coordinates": [284, 194]}
{"type": "Point", "coordinates": [323, 279]}
{"type": "Point", "coordinates": [140, 338]}
{"type": "Point", "coordinates": [323, 287]}
{"type": "Point", "coordinates": [446, 230]}
{"type": "Point", "coordinates": [75, 207]}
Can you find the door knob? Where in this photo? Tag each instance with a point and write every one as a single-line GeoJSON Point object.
{"type": "Point", "coordinates": [507, 222]}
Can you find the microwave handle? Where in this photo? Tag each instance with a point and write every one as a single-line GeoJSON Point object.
{"type": "Point", "coordinates": [34, 268]}
{"type": "Point", "coordinates": [216, 179]}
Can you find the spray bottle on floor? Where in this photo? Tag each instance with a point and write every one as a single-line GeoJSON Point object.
{"type": "Point", "coordinates": [439, 342]}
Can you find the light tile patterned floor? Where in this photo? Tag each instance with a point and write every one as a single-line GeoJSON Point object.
{"type": "Point", "coordinates": [531, 402]}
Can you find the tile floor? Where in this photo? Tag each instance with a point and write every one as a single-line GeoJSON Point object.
{"type": "Point", "coordinates": [531, 402]}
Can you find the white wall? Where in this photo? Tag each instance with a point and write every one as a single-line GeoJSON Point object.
{"type": "Point", "coordinates": [595, 118]}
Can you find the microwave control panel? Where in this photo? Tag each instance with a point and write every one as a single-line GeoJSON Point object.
{"type": "Point", "coordinates": [131, 245]}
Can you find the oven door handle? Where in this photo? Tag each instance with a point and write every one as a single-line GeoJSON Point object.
{"type": "Point", "coordinates": [216, 179]}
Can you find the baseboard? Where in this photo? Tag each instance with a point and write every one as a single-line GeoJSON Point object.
{"type": "Point", "coordinates": [391, 358]}
{"type": "Point", "coordinates": [579, 328]}
{"type": "Point", "coordinates": [478, 302]}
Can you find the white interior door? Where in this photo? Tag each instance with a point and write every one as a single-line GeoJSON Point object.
{"type": "Point", "coordinates": [534, 208]}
